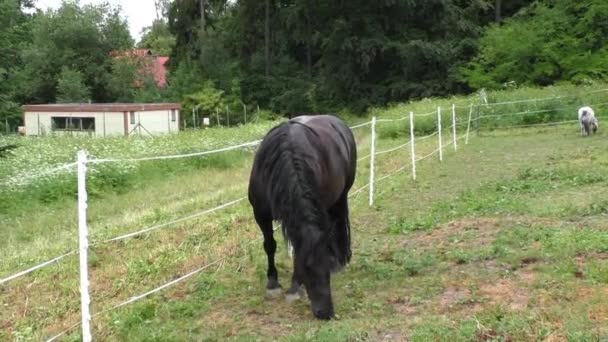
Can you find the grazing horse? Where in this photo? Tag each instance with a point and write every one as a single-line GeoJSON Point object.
{"type": "Point", "coordinates": [301, 176]}
{"type": "Point", "coordinates": [587, 120]}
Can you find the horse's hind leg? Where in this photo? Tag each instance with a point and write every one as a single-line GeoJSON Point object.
{"type": "Point", "coordinates": [270, 247]}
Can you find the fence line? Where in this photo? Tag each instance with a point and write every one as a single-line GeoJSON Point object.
{"type": "Point", "coordinates": [82, 200]}
{"type": "Point", "coordinates": [363, 158]}
{"type": "Point", "coordinates": [148, 293]}
{"type": "Point", "coordinates": [358, 191]}
{"type": "Point", "coordinates": [35, 268]}
{"type": "Point", "coordinates": [427, 136]}
{"type": "Point", "coordinates": [34, 175]}
{"type": "Point", "coordinates": [229, 148]}
{"type": "Point", "coordinates": [361, 125]}
{"type": "Point", "coordinates": [428, 155]}
{"type": "Point", "coordinates": [425, 114]}
{"type": "Point", "coordinates": [469, 125]}
{"type": "Point", "coordinates": [412, 146]}
{"type": "Point", "coordinates": [129, 235]}
{"type": "Point", "coordinates": [440, 138]}
{"type": "Point", "coordinates": [541, 124]}
{"type": "Point", "coordinates": [372, 162]}
{"type": "Point", "coordinates": [123, 237]}
{"type": "Point", "coordinates": [166, 224]}
{"type": "Point", "coordinates": [83, 247]}
{"type": "Point", "coordinates": [454, 127]}
{"type": "Point", "coordinates": [392, 120]}
{"type": "Point", "coordinates": [109, 160]}
{"type": "Point", "coordinates": [173, 282]}
{"type": "Point", "coordinates": [393, 149]}
{"type": "Point", "coordinates": [537, 99]}
{"type": "Point", "coordinates": [176, 156]}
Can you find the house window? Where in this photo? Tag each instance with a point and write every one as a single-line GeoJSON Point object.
{"type": "Point", "coordinates": [132, 118]}
{"type": "Point", "coordinates": [62, 123]}
{"type": "Point", "coordinates": [173, 115]}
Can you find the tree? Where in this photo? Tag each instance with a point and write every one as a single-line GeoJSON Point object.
{"type": "Point", "coordinates": [158, 39]}
{"type": "Point", "coordinates": [80, 38]}
{"type": "Point", "coordinates": [122, 80]}
{"type": "Point", "coordinates": [207, 100]}
{"type": "Point", "coordinates": [552, 41]}
{"type": "Point", "coordinates": [15, 32]}
{"type": "Point", "coordinates": [71, 87]}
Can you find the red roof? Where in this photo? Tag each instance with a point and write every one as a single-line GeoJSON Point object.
{"type": "Point", "coordinates": [159, 69]}
{"type": "Point", "coordinates": [154, 65]}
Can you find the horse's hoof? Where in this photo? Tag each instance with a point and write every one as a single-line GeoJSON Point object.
{"type": "Point", "coordinates": [274, 293]}
{"type": "Point", "coordinates": [293, 297]}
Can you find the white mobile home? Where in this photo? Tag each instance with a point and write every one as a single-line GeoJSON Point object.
{"type": "Point", "coordinates": [102, 120]}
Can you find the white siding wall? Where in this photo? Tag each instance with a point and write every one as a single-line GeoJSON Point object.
{"type": "Point", "coordinates": [154, 122]}
{"type": "Point", "coordinates": [106, 124]}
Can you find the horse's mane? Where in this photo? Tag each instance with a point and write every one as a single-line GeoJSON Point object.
{"type": "Point", "coordinates": [294, 195]}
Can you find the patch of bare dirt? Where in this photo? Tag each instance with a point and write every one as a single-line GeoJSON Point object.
{"type": "Point", "coordinates": [267, 322]}
{"type": "Point", "coordinates": [527, 276]}
{"type": "Point", "coordinates": [491, 335]}
{"type": "Point", "coordinates": [485, 228]}
{"type": "Point", "coordinates": [396, 336]}
{"type": "Point", "coordinates": [403, 307]}
{"type": "Point", "coordinates": [453, 296]}
{"type": "Point", "coordinates": [506, 292]}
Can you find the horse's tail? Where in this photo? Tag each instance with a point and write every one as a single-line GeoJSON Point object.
{"type": "Point", "coordinates": [296, 201]}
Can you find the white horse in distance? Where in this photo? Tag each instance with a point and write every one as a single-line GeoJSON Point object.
{"type": "Point", "coordinates": [587, 120]}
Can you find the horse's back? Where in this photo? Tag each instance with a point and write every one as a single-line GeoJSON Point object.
{"type": "Point", "coordinates": [330, 131]}
{"type": "Point", "coordinates": [323, 142]}
{"type": "Point", "coordinates": [584, 110]}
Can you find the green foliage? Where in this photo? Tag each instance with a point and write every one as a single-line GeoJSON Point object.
{"type": "Point", "coordinates": [207, 101]}
{"type": "Point", "coordinates": [80, 38]}
{"type": "Point", "coordinates": [551, 41]}
{"type": "Point", "coordinates": [324, 56]}
{"type": "Point", "coordinates": [71, 87]}
{"type": "Point", "coordinates": [185, 79]}
{"type": "Point", "coordinates": [123, 77]}
{"type": "Point", "coordinates": [158, 39]}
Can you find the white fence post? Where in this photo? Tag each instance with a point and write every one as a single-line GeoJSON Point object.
{"type": "Point", "coordinates": [466, 142]}
{"type": "Point", "coordinates": [413, 149]}
{"type": "Point", "coordinates": [439, 135]}
{"type": "Point", "coordinates": [454, 127]}
{"type": "Point", "coordinates": [372, 160]}
{"type": "Point", "coordinates": [83, 247]}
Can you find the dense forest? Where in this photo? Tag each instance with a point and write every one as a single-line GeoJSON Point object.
{"type": "Point", "coordinates": [290, 56]}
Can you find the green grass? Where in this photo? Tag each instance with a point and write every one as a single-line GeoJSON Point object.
{"type": "Point", "coordinates": [506, 240]}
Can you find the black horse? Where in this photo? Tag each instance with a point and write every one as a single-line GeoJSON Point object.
{"type": "Point", "coordinates": [301, 176]}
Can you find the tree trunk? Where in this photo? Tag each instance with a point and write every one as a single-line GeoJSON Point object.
{"type": "Point", "coordinates": [308, 47]}
{"type": "Point", "coordinates": [267, 38]}
{"type": "Point", "coordinates": [203, 23]}
{"type": "Point", "coordinates": [498, 11]}
{"type": "Point", "coordinates": [203, 30]}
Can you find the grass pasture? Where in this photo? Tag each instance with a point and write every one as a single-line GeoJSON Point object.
{"type": "Point", "coordinates": [506, 240]}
